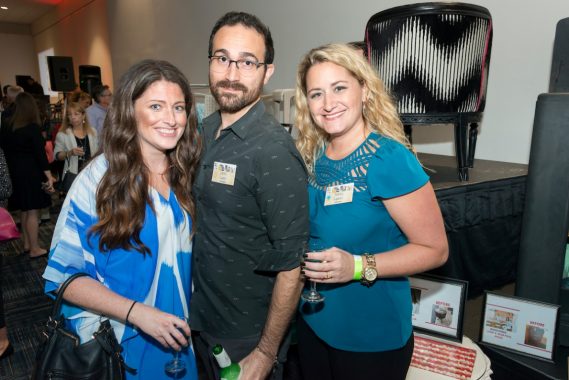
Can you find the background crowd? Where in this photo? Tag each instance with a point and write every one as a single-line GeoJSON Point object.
{"type": "Point", "coordinates": [218, 230]}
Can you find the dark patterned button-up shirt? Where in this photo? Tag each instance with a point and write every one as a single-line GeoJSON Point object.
{"type": "Point", "coordinates": [247, 231]}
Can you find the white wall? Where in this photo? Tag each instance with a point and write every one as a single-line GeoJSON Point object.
{"type": "Point", "coordinates": [178, 30]}
{"type": "Point", "coordinates": [78, 29]}
{"type": "Point", "coordinates": [18, 56]}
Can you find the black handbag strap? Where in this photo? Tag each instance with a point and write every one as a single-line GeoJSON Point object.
{"type": "Point", "coordinates": [56, 310]}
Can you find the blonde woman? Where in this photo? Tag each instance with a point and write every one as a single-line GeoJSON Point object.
{"type": "Point", "coordinates": [76, 142]}
{"type": "Point", "coordinates": [372, 210]}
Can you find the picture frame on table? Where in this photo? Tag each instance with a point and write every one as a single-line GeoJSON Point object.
{"type": "Point", "coordinates": [520, 325]}
{"type": "Point", "coordinates": [438, 306]}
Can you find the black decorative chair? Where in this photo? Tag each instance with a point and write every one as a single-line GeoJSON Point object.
{"type": "Point", "coordinates": [434, 59]}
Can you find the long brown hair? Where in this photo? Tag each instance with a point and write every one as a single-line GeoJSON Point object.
{"type": "Point", "coordinates": [26, 111]}
{"type": "Point", "coordinates": [123, 193]}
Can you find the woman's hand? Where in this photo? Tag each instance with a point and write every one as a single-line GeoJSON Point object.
{"type": "Point", "coordinates": [77, 151]}
{"type": "Point", "coordinates": [48, 185]}
{"type": "Point", "coordinates": [336, 266]}
{"type": "Point", "coordinates": [167, 329]}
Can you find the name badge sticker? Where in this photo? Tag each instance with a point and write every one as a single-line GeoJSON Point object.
{"type": "Point", "coordinates": [223, 173]}
{"type": "Point", "coordinates": [339, 194]}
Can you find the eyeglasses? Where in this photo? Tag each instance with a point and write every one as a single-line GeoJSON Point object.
{"type": "Point", "coordinates": [221, 63]}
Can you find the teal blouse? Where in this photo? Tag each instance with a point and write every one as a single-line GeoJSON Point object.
{"type": "Point", "coordinates": [354, 317]}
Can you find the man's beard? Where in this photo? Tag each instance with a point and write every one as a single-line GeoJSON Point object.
{"type": "Point", "coordinates": [231, 103]}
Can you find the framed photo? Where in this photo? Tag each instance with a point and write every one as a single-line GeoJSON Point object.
{"type": "Point", "coordinates": [519, 325]}
{"type": "Point", "coordinates": [438, 305]}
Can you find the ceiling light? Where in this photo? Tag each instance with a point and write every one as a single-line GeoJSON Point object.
{"type": "Point", "coordinates": [3, 7]}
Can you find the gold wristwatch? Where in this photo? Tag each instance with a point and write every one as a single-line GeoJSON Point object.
{"type": "Point", "coordinates": [369, 274]}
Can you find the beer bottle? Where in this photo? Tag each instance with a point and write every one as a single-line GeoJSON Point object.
{"type": "Point", "coordinates": [229, 370]}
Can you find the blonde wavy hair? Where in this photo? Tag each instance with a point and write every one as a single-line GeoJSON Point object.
{"type": "Point", "coordinates": [379, 110]}
{"type": "Point", "coordinates": [67, 123]}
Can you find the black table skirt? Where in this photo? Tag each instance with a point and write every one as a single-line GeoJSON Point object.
{"type": "Point", "coordinates": [483, 225]}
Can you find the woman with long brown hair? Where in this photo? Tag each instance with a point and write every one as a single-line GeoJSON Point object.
{"type": "Point", "coordinates": [127, 223]}
{"type": "Point", "coordinates": [32, 181]}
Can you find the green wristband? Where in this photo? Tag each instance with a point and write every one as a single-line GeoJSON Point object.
{"type": "Point", "coordinates": [358, 267]}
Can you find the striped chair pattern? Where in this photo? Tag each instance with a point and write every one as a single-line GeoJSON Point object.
{"type": "Point", "coordinates": [434, 59]}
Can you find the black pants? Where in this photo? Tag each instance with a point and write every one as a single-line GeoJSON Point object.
{"type": "Point", "coordinates": [237, 349]}
{"type": "Point", "coordinates": [320, 361]}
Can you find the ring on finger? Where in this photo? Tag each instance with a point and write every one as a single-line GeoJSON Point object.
{"type": "Point", "coordinates": [328, 275]}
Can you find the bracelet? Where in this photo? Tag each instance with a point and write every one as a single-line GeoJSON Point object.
{"type": "Point", "coordinates": [358, 267]}
{"type": "Point", "coordinates": [129, 310]}
{"type": "Point", "coordinates": [274, 359]}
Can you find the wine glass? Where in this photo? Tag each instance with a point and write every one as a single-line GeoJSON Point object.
{"type": "Point", "coordinates": [176, 366]}
{"type": "Point", "coordinates": [311, 294]}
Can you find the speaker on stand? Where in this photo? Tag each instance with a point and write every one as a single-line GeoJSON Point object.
{"type": "Point", "coordinates": [89, 77]}
{"type": "Point", "coordinates": [61, 74]}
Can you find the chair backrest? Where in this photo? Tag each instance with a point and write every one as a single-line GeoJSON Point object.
{"type": "Point", "coordinates": [559, 79]}
{"type": "Point", "coordinates": [284, 98]}
{"type": "Point", "coordinates": [432, 57]}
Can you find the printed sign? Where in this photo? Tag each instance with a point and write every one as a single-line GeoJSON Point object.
{"type": "Point", "coordinates": [519, 325]}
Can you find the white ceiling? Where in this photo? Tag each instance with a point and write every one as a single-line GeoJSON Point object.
{"type": "Point", "coordinates": [25, 11]}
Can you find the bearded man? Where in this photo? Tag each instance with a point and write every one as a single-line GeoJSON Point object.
{"type": "Point", "coordinates": [252, 208]}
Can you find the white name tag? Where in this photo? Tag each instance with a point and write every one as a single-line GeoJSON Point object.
{"type": "Point", "coordinates": [339, 194]}
{"type": "Point", "coordinates": [223, 173]}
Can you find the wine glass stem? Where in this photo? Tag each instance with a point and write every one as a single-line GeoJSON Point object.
{"type": "Point", "coordinates": [313, 286]}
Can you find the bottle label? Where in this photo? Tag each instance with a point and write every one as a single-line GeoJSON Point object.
{"type": "Point", "coordinates": [222, 359]}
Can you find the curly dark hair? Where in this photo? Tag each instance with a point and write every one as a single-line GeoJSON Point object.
{"type": "Point", "coordinates": [250, 21]}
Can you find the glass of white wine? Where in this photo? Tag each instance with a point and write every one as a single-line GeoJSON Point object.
{"type": "Point", "coordinates": [177, 366]}
{"type": "Point", "coordinates": [311, 294]}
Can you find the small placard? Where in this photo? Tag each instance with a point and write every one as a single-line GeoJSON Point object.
{"type": "Point", "coordinates": [438, 305]}
{"type": "Point", "coordinates": [223, 173]}
{"type": "Point", "coordinates": [338, 194]}
{"type": "Point", "coordinates": [520, 325]}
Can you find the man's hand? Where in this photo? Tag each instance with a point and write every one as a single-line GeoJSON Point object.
{"type": "Point", "coordinates": [255, 366]}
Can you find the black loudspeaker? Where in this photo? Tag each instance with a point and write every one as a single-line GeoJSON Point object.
{"type": "Point", "coordinates": [545, 221]}
{"type": "Point", "coordinates": [61, 75]}
{"type": "Point", "coordinates": [559, 78]}
{"type": "Point", "coordinates": [89, 77]}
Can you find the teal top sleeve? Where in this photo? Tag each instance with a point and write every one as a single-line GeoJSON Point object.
{"type": "Point", "coordinates": [394, 171]}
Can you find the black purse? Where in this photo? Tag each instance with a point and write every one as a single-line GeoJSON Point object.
{"type": "Point", "coordinates": [67, 181]}
{"type": "Point", "coordinates": [67, 178]}
{"type": "Point", "coordinates": [62, 357]}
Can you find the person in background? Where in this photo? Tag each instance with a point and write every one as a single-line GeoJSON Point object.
{"type": "Point", "coordinates": [3, 97]}
{"type": "Point", "coordinates": [6, 348]}
{"type": "Point", "coordinates": [76, 142]}
{"type": "Point", "coordinates": [128, 220]}
{"type": "Point", "coordinates": [374, 213]}
{"type": "Point", "coordinates": [97, 111]}
{"type": "Point", "coordinates": [80, 97]}
{"type": "Point", "coordinates": [11, 93]}
{"type": "Point", "coordinates": [34, 87]}
{"type": "Point", "coordinates": [32, 181]}
{"type": "Point", "coordinates": [252, 210]}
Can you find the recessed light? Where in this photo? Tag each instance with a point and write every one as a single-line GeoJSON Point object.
{"type": "Point", "coordinates": [3, 7]}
